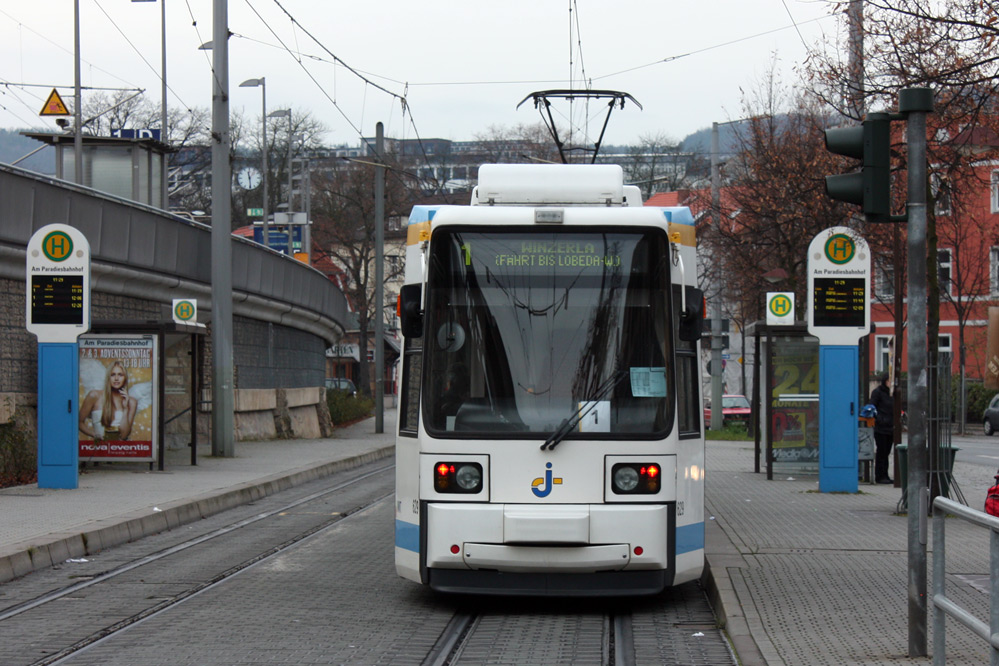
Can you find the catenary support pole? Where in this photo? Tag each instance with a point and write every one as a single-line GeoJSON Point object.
{"type": "Point", "coordinates": [380, 280]}
{"type": "Point", "coordinates": [78, 101]}
{"type": "Point", "coordinates": [716, 310]}
{"type": "Point", "coordinates": [222, 365]}
{"type": "Point", "coordinates": [164, 133]}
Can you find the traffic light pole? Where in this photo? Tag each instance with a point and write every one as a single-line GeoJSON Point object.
{"type": "Point", "coordinates": [915, 103]}
{"type": "Point", "coordinates": [716, 310]}
{"type": "Point", "coordinates": [870, 188]}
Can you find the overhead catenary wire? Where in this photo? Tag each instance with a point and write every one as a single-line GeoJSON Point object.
{"type": "Point", "coordinates": [795, 24]}
{"type": "Point", "coordinates": [63, 48]}
{"type": "Point", "coordinates": [712, 47]}
{"type": "Point", "coordinates": [155, 72]}
{"type": "Point", "coordinates": [368, 82]}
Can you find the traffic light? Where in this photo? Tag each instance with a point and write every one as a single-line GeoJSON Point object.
{"type": "Point", "coordinates": [870, 187]}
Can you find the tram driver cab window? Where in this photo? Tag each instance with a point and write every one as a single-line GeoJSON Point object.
{"type": "Point", "coordinates": [455, 393]}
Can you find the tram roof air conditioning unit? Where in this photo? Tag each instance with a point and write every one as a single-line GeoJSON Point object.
{"type": "Point", "coordinates": [549, 184]}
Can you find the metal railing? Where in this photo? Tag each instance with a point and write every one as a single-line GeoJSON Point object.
{"type": "Point", "coordinates": [942, 606]}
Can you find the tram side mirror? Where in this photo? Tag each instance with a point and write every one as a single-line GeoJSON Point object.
{"type": "Point", "coordinates": [409, 310]}
{"type": "Point", "coordinates": [692, 319]}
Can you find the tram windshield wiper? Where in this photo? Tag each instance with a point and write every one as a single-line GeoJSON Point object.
{"type": "Point", "coordinates": [569, 423]}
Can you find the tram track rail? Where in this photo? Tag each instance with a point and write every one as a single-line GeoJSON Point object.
{"type": "Point", "coordinates": [169, 604]}
{"type": "Point", "coordinates": [456, 630]}
{"type": "Point", "coordinates": [122, 624]}
{"type": "Point", "coordinates": [617, 646]}
{"type": "Point", "coordinates": [17, 609]}
{"type": "Point", "coordinates": [674, 628]}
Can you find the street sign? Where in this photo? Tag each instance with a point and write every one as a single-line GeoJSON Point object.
{"type": "Point", "coordinates": [58, 284]}
{"type": "Point", "coordinates": [839, 287]}
{"type": "Point", "coordinates": [57, 312]}
{"type": "Point", "coordinates": [54, 106]}
{"type": "Point", "coordinates": [255, 212]}
{"type": "Point", "coordinates": [185, 310]}
{"type": "Point", "coordinates": [780, 308]}
{"type": "Point", "coordinates": [136, 134]}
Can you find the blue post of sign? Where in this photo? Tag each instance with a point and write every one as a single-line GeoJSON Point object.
{"type": "Point", "coordinates": [58, 439]}
{"type": "Point", "coordinates": [838, 379]}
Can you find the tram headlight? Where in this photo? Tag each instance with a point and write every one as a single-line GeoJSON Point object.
{"type": "Point", "coordinates": [457, 477]}
{"type": "Point", "coordinates": [469, 478]}
{"type": "Point", "coordinates": [636, 478]}
{"type": "Point", "coordinates": [625, 478]}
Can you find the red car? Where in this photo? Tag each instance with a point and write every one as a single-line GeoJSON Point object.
{"type": "Point", "coordinates": [735, 409]}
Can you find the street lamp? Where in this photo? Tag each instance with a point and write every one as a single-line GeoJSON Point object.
{"type": "Point", "coordinates": [281, 113]}
{"type": "Point", "coordinates": [164, 193]}
{"type": "Point", "coordinates": [262, 84]}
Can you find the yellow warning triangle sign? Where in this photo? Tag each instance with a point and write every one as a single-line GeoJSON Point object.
{"type": "Point", "coordinates": [54, 106]}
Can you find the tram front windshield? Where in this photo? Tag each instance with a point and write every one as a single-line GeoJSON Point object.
{"type": "Point", "coordinates": [526, 328]}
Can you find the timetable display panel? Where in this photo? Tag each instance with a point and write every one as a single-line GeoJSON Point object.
{"type": "Point", "coordinates": [839, 301]}
{"type": "Point", "coordinates": [57, 299]}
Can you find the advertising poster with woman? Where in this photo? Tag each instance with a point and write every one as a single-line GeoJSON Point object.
{"type": "Point", "coordinates": [117, 397]}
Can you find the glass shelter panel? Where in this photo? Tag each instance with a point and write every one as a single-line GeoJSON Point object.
{"type": "Point", "coordinates": [527, 327]}
{"type": "Point", "coordinates": [793, 380]}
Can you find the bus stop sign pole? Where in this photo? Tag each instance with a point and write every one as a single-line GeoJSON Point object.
{"type": "Point", "coordinates": [58, 312]}
{"type": "Point", "coordinates": [839, 286]}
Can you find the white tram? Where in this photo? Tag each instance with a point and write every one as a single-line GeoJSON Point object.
{"type": "Point", "coordinates": [549, 436]}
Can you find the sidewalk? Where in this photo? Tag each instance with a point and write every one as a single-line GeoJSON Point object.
{"type": "Point", "coordinates": [120, 502]}
{"type": "Point", "coordinates": [804, 577]}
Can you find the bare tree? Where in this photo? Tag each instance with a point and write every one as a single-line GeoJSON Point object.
{"type": "Point", "coordinates": [656, 164]}
{"type": "Point", "coordinates": [775, 201]}
{"type": "Point", "coordinates": [518, 144]}
{"type": "Point", "coordinates": [949, 47]}
{"type": "Point", "coordinates": [344, 227]}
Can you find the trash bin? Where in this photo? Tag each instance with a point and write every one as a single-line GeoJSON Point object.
{"type": "Point", "coordinates": [947, 455]}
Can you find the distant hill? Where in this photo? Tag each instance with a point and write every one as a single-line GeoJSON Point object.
{"type": "Point", "coordinates": [13, 147]}
{"type": "Point", "coordinates": [700, 141]}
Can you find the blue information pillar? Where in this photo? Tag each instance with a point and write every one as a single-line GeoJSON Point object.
{"type": "Point", "coordinates": [58, 312]}
{"type": "Point", "coordinates": [838, 380]}
{"type": "Point", "coordinates": [839, 281]}
{"type": "Point", "coordinates": [58, 442]}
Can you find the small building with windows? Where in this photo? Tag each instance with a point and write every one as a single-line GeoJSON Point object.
{"type": "Point", "coordinates": [127, 167]}
{"type": "Point", "coordinates": [966, 211]}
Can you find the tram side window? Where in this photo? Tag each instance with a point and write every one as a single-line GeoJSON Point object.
{"type": "Point", "coordinates": [412, 370]}
{"type": "Point", "coordinates": [687, 381]}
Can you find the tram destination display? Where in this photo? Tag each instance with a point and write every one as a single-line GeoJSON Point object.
{"type": "Point", "coordinates": [57, 299]}
{"type": "Point", "coordinates": [839, 301]}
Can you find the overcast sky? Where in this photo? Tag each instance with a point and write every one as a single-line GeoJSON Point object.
{"type": "Point", "coordinates": [467, 64]}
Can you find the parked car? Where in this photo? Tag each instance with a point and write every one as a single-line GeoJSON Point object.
{"type": "Point", "coordinates": [735, 409]}
{"type": "Point", "coordinates": [990, 417]}
{"type": "Point", "coordinates": [341, 384]}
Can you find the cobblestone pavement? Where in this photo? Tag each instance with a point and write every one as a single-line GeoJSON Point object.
{"type": "Point", "coordinates": [821, 578]}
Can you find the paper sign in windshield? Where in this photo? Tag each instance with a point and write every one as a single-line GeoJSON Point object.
{"type": "Point", "coordinates": [648, 382]}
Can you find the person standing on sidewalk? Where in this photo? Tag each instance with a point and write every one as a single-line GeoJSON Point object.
{"type": "Point", "coordinates": [884, 429]}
